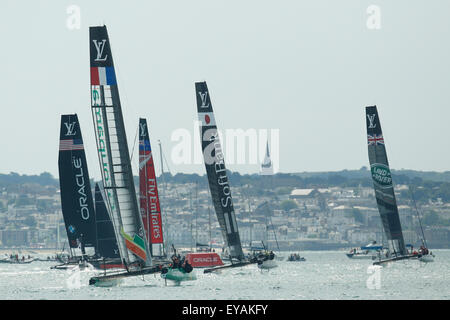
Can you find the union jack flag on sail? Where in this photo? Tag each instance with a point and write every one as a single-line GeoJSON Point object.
{"type": "Point", "coordinates": [375, 139]}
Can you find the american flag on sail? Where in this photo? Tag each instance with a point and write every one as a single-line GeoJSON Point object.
{"type": "Point", "coordinates": [375, 139]}
{"type": "Point", "coordinates": [71, 144]}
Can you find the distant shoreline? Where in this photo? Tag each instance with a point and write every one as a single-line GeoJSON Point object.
{"type": "Point", "coordinates": [27, 251]}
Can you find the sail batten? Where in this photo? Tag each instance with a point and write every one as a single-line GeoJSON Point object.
{"type": "Point", "coordinates": [382, 181]}
{"type": "Point", "coordinates": [216, 172]}
{"type": "Point", "coordinates": [112, 146]}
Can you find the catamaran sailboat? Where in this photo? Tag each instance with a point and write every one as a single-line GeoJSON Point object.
{"type": "Point", "coordinates": [259, 250]}
{"type": "Point", "coordinates": [218, 180]}
{"type": "Point", "coordinates": [148, 195]}
{"type": "Point", "coordinates": [75, 190]}
{"type": "Point", "coordinates": [115, 163]}
{"type": "Point", "coordinates": [384, 191]}
{"type": "Point", "coordinates": [85, 226]}
{"type": "Point", "coordinates": [151, 211]}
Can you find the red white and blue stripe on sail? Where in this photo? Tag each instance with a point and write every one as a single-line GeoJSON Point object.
{"type": "Point", "coordinates": [101, 76]}
{"type": "Point", "coordinates": [144, 145]}
{"type": "Point", "coordinates": [376, 139]}
{"type": "Point", "coordinates": [71, 144]}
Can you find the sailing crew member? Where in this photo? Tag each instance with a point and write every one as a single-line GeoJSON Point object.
{"type": "Point", "coordinates": [271, 255]}
{"type": "Point", "coordinates": [423, 250]}
{"type": "Point", "coordinates": [186, 266]}
{"type": "Point", "coordinates": [175, 262]}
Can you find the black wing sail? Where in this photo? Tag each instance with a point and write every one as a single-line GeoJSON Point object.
{"type": "Point", "coordinates": [382, 182]}
{"type": "Point", "coordinates": [216, 172]}
{"type": "Point", "coordinates": [106, 237]}
{"type": "Point", "coordinates": [75, 188]}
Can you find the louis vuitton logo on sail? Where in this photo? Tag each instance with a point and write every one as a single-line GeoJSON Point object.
{"type": "Point", "coordinates": [371, 118]}
{"type": "Point", "coordinates": [70, 128]}
{"type": "Point", "coordinates": [142, 126]}
{"type": "Point", "coordinates": [100, 46]}
{"type": "Point", "coordinates": [204, 99]}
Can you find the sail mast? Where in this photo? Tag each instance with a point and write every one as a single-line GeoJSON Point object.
{"type": "Point", "coordinates": [216, 171]}
{"type": "Point", "coordinates": [382, 182]}
{"type": "Point", "coordinates": [420, 221]}
{"type": "Point", "coordinates": [113, 152]}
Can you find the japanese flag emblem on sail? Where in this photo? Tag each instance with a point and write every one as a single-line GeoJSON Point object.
{"type": "Point", "coordinates": [207, 119]}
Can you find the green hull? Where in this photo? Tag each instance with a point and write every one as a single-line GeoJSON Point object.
{"type": "Point", "coordinates": [108, 283]}
{"type": "Point", "coordinates": [178, 275]}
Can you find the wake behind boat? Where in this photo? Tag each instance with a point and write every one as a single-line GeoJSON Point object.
{"type": "Point", "coordinates": [427, 258]}
{"type": "Point", "coordinates": [115, 278]}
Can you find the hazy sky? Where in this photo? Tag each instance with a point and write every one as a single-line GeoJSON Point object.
{"type": "Point", "coordinates": [307, 68]}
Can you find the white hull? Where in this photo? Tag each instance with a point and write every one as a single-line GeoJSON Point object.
{"type": "Point", "coordinates": [268, 264]}
{"type": "Point", "coordinates": [427, 258]}
{"type": "Point", "coordinates": [361, 256]}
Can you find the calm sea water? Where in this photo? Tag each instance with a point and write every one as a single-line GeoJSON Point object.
{"type": "Point", "coordinates": [325, 275]}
